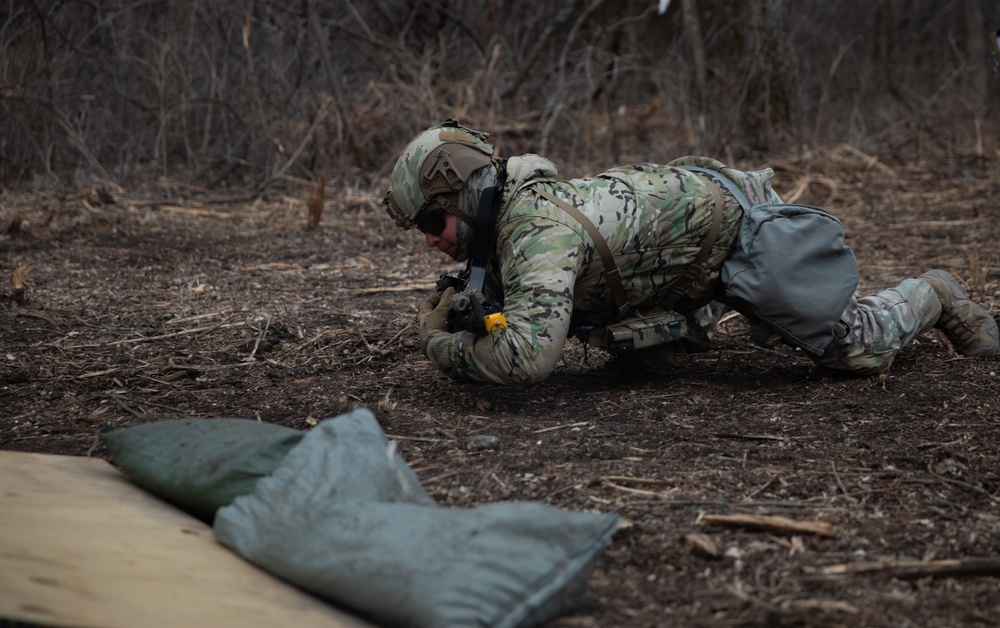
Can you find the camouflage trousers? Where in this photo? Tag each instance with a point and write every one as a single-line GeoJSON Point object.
{"type": "Point", "coordinates": [873, 329]}
{"type": "Point", "coordinates": [870, 333]}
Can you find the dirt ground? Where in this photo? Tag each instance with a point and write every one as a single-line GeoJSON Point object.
{"type": "Point", "coordinates": [143, 305]}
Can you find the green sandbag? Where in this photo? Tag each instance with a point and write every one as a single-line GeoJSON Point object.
{"type": "Point", "coordinates": [200, 465]}
{"type": "Point", "coordinates": [344, 518]}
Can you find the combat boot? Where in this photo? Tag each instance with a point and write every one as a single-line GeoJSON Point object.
{"type": "Point", "coordinates": [968, 326]}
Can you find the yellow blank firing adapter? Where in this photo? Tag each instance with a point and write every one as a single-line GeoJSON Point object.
{"type": "Point", "coordinates": [495, 322]}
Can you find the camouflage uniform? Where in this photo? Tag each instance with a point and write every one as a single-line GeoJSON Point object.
{"type": "Point", "coordinates": [785, 267]}
{"type": "Point", "coordinates": [874, 328]}
{"type": "Point", "coordinates": [549, 275]}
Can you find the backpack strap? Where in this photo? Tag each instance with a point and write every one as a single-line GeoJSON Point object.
{"type": "Point", "coordinates": [611, 270]}
{"type": "Point", "coordinates": [762, 331]}
{"type": "Point", "coordinates": [734, 189]}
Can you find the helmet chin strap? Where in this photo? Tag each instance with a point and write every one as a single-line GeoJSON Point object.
{"type": "Point", "coordinates": [469, 204]}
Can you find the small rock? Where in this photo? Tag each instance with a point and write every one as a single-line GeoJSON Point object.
{"type": "Point", "coordinates": [482, 442]}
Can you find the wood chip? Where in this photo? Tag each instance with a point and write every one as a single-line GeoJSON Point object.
{"type": "Point", "coordinates": [702, 544]}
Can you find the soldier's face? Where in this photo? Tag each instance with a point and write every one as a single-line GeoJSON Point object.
{"type": "Point", "coordinates": [447, 240]}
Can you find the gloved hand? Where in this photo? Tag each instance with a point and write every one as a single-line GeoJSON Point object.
{"type": "Point", "coordinates": [432, 316]}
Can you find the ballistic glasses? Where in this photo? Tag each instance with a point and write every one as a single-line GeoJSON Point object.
{"type": "Point", "coordinates": [433, 223]}
{"type": "Point", "coordinates": [430, 220]}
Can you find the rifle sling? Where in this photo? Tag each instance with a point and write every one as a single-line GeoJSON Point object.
{"type": "Point", "coordinates": [486, 219]}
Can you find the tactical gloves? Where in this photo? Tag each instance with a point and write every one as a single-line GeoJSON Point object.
{"type": "Point", "coordinates": [432, 316]}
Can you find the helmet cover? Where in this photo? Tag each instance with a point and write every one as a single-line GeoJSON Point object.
{"type": "Point", "coordinates": [433, 169]}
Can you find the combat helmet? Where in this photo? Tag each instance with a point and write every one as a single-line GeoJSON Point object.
{"type": "Point", "coordinates": [432, 170]}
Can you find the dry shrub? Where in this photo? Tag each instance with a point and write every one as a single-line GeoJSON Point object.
{"type": "Point", "coordinates": [315, 204]}
{"type": "Point", "coordinates": [16, 225]}
{"type": "Point", "coordinates": [234, 94]}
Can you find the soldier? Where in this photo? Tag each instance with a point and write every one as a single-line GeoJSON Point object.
{"type": "Point", "coordinates": [630, 258]}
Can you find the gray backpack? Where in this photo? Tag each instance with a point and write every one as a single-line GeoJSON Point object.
{"type": "Point", "coordinates": [790, 271]}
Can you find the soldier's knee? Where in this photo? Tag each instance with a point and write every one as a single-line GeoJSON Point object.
{"type": "Point", "coordinates": [849, 356]}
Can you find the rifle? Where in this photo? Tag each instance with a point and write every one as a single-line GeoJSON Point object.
{"type": "Point", "coordinates": [470, 309]}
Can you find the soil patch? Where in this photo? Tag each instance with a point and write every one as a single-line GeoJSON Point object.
{"type": "Point", "coordinates": [136, 310]}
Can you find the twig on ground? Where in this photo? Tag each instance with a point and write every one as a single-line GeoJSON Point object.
{"type": "Point", "coordinates": [392, 341]}
{"type": "Point", "coordinates": [804, 183]}
{"type": "Point", "coordinates": [714, 503]}
{"type": "Point", "coordinates": [751, 436]}
{"type": "Point", "coordinates": [158, 405]}
{"type": "Point", "coordinates": [209, 367]}
{"type": "Point", "coordinates": [780, 606]}
{"type": "Point", "coordinates": [872, 162]}
{"type": "Point", "coordinates": [183, 332]}
{"type": "Point", "coordinates": [640, 481]}
{"type": "Point", "coordinates": [320, 336]}
{"type": "Point", "coordinates": [913, 569]}
{"type": "Point", "coordinates": [97, 373]}
{"type": "Point", "coordinates": [965, 485]}
{"type": "Point", "coordinates": [422, 439]}
{"type": "Point", "coordinates": [768, 522]}
{"type": "Point", "coordinates": [559, 427]}
{"type": "Point", "coordinates": [124, 406]}
{"type": "Point", "coordinates": [189, 319]}
{"type": "Point", "coordinates": [194, 211]}
{"type": "Point", "coordinates": [438, 478]}
{"type": "Point", "coordinates": [38, 316]}
{"type": "Point", "coordinates": [763, 487]}
{"type": "Point", "coordinates": [836, 476]}
{"type": "Point", "coordinates": [260, 336]}
{"type": "Point", "coordinates": [410, 287]}
{"type": "Point", "coordinates": [636, 491]}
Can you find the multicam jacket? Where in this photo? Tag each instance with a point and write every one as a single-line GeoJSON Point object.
{"type": "Point", "coordinates": [550, 277]}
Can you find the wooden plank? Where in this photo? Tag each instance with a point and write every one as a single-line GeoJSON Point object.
{"type": "Point", "coordinates": [82, 546]}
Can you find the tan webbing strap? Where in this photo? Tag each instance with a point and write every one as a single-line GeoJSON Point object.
{"type": "Point", "coordinates": [611, 270]}
{"type": "Point", "coordinates": [684, 281]}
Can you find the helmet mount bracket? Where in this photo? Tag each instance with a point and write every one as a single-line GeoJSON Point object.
{"type": "Point", "coordinates": [440, 175]}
